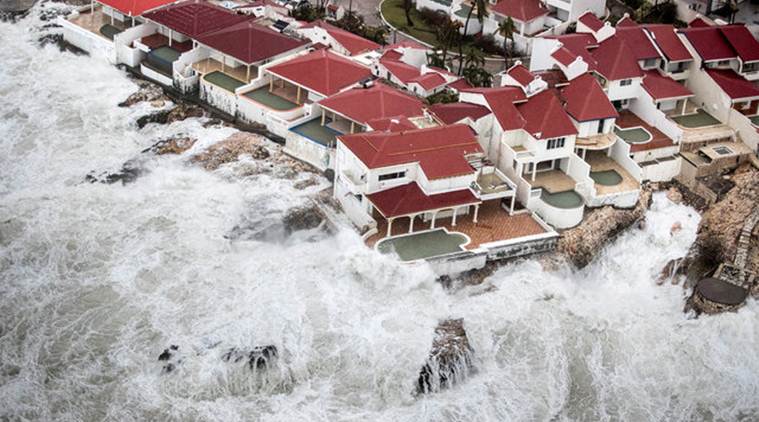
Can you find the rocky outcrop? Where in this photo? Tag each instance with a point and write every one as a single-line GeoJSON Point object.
{"type": "Point", "coordinates": [231, 149]}
{"type": "Point", "coordinates": [601, 225]}
{"type": "Point", "coordinates": [450, 360]}
{"type": "Point", "coordinates": [175, 145]}
{"type": "Point", "coordinates": [302, 218]}
{"type": "Point", "coordinates": [58, 41]}
{"type": "Point", "coordinates": [260, 357]}
{"type": "Point", "coordinates": [128, 173]}
{"type": "Point", "coordinates": [167, 117]}
{"type": "Point", "coordinates": [146, 91]}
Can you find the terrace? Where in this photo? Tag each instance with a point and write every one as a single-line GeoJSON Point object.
{"type": "Point", "coordinates": [493, 224]}
{"type": "Point", "coordinates": [698, 119]}
{"type": "Point", "coordinates": [320, 133]}
{"type": "Point", "coordinates": [608, 175]}
{"type": "Point", "coordinates": [640, 135]}
{"type": "Point", "coordinates": [97, 22]}
{"type": "Point", "coordinates": [279, 99]}
{"type": "Point", "coordinates": [553, 181]}
{"type": "Point", "coordinates": [244, 74]}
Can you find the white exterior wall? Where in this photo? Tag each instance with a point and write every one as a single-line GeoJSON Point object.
{"type": "Point", "coordinates": [745, 128]}
{"type": "Point", "coordinates": [709, 95]}
{"type": "Point", "coordinates": [218, 97]}
{"type": "Point", "coordinates": [448, 184]}
{"type": "Point", "coordinates": [185, 77]}
{"type": "Point", "coordinates": [156, 76]}
{"type": "Point", "coordinates": [662, 171]}
{"type": "Point", "coordinates": [615, 91]}
{"type": "Point", "coordinates": [127, 55]}
{"type": "Point", "coordinates": [90, 42]}
{"type": "Point", "coordinates": [578, 7]}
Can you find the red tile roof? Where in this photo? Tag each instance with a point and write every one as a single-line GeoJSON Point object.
{"type": "Point", "coordinates": [250, 42]}
{"type": "Point", "coordinates": [584, 100]}
{"type": "Point", "coordinates": [638, 42]}
{"type": "Point", "coordinates": [350, 41]}
{"type": "Point", "coordinates": [709, 43]}
{"type": "Point", "coordinates": [521, 74]}
{"type": "Point", "coordinates": [626, 22]}
{"type": "Point", "coordinates": [460, 84]}
{"type": "Point", "coordinates": [578, 44]}
{"type": "Point", "coordinates": [410, 199]}
{"type": "Point", "coordinates": [661, 87]}
{"type": "Point", "coordinates": [455, 112]}
{"type": "Point", "coordinates": [321, 71]}
{"type": "Point", "coordinates": [195, 17]}
{"type": "Point", "coordinates": [440, 151]}
{"type": "Point", "coordinates": [521, 10]}
{"type": "Point", "coordinates": [733, 84]}
{"type": "Point", "coordinates": [742, 41]}
{"type": "Point", "coordinates": [378, 102]}
{"type": "Point", "coordinates": [615, 60]}
{"type": "Point", "coordinates": [403, 71]}
{"type": "Point", "coordinates": [669, 43]}
{"type": "Point", "coordinates": [698, 23]}
{"type": "Point", "coordinates": [591, 21]}
{"type": "Point", "coordinates": [134, 7]}
{"type": "Point", "coordinates": [501, 102]}
{"type": "Point", "coordinates": [545, 117]}
{"type": "Point", "coordinates": [429, 80]}
{"type": "Point", "coordinates": [564, 56]}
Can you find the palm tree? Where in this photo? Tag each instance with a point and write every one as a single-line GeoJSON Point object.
{"type": "Point", "coordinates": [482, 12]}
{"type": "Point", "coordinates": [407, 10]}
{"type": "Point", "coordinates": [506, 29]}
{"type": "Point", "coordinates": [447, 34]}
{"type": "Point", "coordinates": [474, 58]}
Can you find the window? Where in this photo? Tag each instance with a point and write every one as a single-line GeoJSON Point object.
{"type": "Point", "coordinates": [555, 143]}
{"type": "Point", "coordinates": [625, 82]}
{"type": "Point", "coordinates": [649, 62]}
{"type": "Point", "coordinates": [391, 176]}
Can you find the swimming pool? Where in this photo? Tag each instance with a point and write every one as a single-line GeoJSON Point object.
{"type": "Point", "coordinates": [566, 200]}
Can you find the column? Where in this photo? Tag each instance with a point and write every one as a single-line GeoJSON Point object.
{"type": "Point", "coordinates": [476, 212]}
{"type": "Point", "coordinates": [352, 126]}
{"type": "Point", "coordinates": [389, 227]}
{"type": "Point", "coordinates": [171, 35]}
{"type": "Point", "coordinates": [534, 170]}
{"type": "Point", "coordinates": [297, 96]}
{"type": "Point", "coordinates": [453, 223]}
{"type": "Point", "coordinates": [411, 223]}
{"type": "Point", "coordinates": [223, 59]}
{"type": "Point", "coordinates": [513, 201]}
{"type": "Point", "coordinates": [434, 215]}
{"type": "Point", "coordinates": [92, 6]}
{"type": "Point", "coordinates": [324, 118]}
{"type": "Point", "coordinates": [247, 74]}
{"type": "Point", "coordinates": [271, 85]}
{"type": "Point", "coordinates": [685, 102]}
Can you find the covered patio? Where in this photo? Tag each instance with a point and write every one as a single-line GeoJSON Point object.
{"type": "Point", "coordinates": [97, 22]}
{"type": "Point", "coordinates": [245, 73]}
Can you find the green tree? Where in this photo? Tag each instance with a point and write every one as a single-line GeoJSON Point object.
{"type": "Point", "coordinates": [447, 35]}
{"type": "Point", "coordinates": [506, 29]}
{"type": "Point", "coordinates": [482, 12]}
{"type": "Point", "coordinates": [477, 76]}
{"type": "Point", "coordinates": [474, 57]}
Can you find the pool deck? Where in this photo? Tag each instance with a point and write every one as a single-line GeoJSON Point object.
{"type": "Point", "coordinates": [313, 130]}
{"type": "Point", "coordinates": [494, 224]}
{"type": "Point", "coordinates": [600, 162]}
{"type": "Point", "coordinates": [628, 119]}
{"type": "Point", "coordinates": [553, 181]}
{"type": "Point", "coordinates": [94, 21]}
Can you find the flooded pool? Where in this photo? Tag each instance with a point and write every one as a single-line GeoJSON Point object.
{"type": "Point", "coordinates": [567, 199]}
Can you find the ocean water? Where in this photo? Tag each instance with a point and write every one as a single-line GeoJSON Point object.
{"type": "Point", "coordinates": [97, 280]}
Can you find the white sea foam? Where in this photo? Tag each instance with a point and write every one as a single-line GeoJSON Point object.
{"type": "Point", "coordinates": [96, 280]}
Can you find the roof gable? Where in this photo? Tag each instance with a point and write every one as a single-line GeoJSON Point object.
{"type": "Point", "coordinates": [350, 41]}
{"type": "Point", "coordinates": [377, 102]}
{"type": "Point", "coordinates": [661, 87]}
{"type": "Point", "coordinates": [545, 117]}
{"type": "Point", "coordinates": [195, 17]}
{"type": "Point", "coordinates": [665, 37]}
{"type": "Point", "coordinates": [615, 60]}
{"type": "Point", "coordinates": [321, 71]}
{"type": "Point", "coordinates": [135, 7]}
{"type": "Point", "coordinates": [638, 42]}
{"type": "Point", "coordinates": [740, 38]}
{"type": "Point", "coordinates": [709, 43]}
{"type": "Point", "coordinates": [585, 100]}
{"type": "Point", "coordinates": [521, 10]}
{"type": "Point", "coordinates": [250, 42]}
{"type": "Point", "coordinates": [733, 84]}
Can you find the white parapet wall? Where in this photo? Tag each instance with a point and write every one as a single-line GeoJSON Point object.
{"type": "Point", "coordinates": [185, 77]}
{"type": "Point", "coordinates": [560, 218]}
{"type": "Point", "coordinates": [307, 150]}
{"type": "Point", "coordinates": [156, 76]}
{"type": "Point", "coordinates": [645, 108]}
{"type": "Point", "coordinates": [355, 211]}
{"type": "Point", "coordinates": [747, 131]}
{"type": "Point", "coordinates": [122, 41]}
{"type": "Point", "coordinates": [662, 170]}
{"type": "Point", "coordinates": [620, 152]}
{"type": "Point", "coordinates": [218, 97]}
{"type": "Point", "coordinates": [93, 43]}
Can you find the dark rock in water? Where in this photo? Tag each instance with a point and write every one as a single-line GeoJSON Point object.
{"type": "Point", "coordinates": [266, 230]}
{"type": "Point", "coordinates": [258, 358]}
{"type": "Point", "coordinates": [174, 347]}
{"type": "Point", "coordinates": [63, 45]}
{"type": "Point", "coordinates": [713, 296]}
{"type": "Point", "coordinates": [128, 173]}
{"type": "Point", "coordinates": [450, 359]}
{"type": "Point", "coordinates": [166, 355]}
{"type": "Point", "coordinates": [176, 145]}
{"type": "Point", "coordinates": [302, 218]}
{"type": "Point", "coordinates": [213, 122]}
{"type": "Point", "coordinates": [180, 112]}
{"type": "Point", "coordinates": [168, 368]}
{"type": "Point", "coordinates": [230, 149]}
